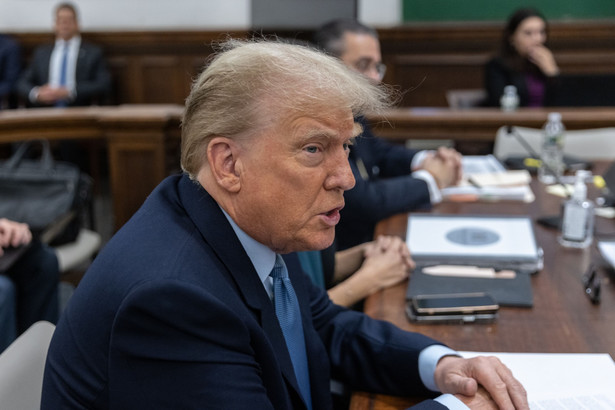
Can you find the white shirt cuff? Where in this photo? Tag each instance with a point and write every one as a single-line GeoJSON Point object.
{"type": "Point", "coordinates": [33, 95]}
{"type": "Point", "coordinates": [451, 402]}
{"type": "Point", "coordinates": [434, 192]}
{"type": "Point", "coordinates": [418, 158]}
{"type": "Point", "coordinates": [428, 360]}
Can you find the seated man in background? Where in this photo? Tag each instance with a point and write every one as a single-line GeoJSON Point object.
{"type": "Point", "coordinates": [191, 305]}
{"type": "Point", "coordinates": [29, 286]}
{"type": "Point", "coordinates": [70, 72]}
{"type": "Point", "coordinates": [389, 178]}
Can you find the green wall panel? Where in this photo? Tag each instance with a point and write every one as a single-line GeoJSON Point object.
{"type": "Point", "coordinates": [476, 10]}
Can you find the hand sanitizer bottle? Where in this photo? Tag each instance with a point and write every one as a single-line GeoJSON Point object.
{"type": "Point", "coordinates": [509, 100]}
{"type": "Point", "coordinates": [578, 218]}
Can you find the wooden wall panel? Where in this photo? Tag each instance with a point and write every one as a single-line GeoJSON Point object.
{"type": "Point", "coordinates": [159, 66]}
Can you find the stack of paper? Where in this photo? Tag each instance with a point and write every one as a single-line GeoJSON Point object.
{"type": "Point", "coordinates": [485, 178]}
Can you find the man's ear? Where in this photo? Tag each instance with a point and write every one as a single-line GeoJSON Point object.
{"type": "Point", "coordinates": [222, 156]}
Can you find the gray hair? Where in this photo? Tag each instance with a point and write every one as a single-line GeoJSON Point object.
{"type": "Point", "coordinates": [251, 80]}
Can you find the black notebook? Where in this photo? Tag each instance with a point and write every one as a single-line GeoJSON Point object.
{"type": "Point", "coordinates": [516, 291]}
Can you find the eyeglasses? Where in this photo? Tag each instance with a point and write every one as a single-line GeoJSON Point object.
{"type": "Point", "coordinates": [365, 65]}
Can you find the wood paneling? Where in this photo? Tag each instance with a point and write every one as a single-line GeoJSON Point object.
{"type": "Point", "coordinates": [424, 60]}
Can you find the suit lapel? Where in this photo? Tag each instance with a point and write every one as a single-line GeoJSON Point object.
{"type": "Point", "coordinates": [218, 233]}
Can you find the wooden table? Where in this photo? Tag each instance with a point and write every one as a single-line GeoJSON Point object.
{"type": "Point", "coordinates": [479, 124]}
{"type": "Point", "coordinates": [562, 319]}
{"type": "Point", "coordinates": [142, 143]}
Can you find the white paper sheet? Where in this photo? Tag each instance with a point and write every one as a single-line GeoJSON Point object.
{"type": "Point", "coordinates": [562, 381]}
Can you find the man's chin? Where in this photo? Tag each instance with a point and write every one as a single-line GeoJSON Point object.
{"type": "Point", "coordinates": [316, 242]}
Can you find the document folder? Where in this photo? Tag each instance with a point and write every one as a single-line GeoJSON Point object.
{"type": "Point", "coordinates": [500, 242]}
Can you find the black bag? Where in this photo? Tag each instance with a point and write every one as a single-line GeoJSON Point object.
{"type": "Point", "coordinates": [48, 195]}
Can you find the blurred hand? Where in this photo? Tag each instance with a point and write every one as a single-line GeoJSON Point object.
{"type": "Point", "coordinates": [13, 234]}
{"type": "Point", "coordinates": [543, 58]}
{"type": "Point", "coordinates": [462, 377]}
{"type": "Point", "coordinates": [445, 166]}
{"type": "Point", "coordinates": [49, 95]}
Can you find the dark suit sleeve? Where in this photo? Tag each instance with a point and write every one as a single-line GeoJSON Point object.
{"type": "Point", "coordinates": [176, 347]}
{"type": "Point", "coordinates": [370, 201]}
{"type": "Point", "coordinates": [93, 78]}
{"type": "Point", "coordinates": [390, 188]}
{"type": "Point", "coordinates": [367, 354]}
{"type": "Point", "coordinates": [496, 79]}
{"type": "Point", "coordinates": [11, 65]}
{"type": "Point", "coordinates": [35, 74]}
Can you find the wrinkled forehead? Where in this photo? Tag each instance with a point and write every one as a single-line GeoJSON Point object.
{"type": "Point", "coordinates": [302, 101]}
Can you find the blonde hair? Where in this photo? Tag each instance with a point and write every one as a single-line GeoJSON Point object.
{"type": "Point", "coordinates": [250, 80]}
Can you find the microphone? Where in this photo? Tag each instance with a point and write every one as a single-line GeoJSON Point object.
{"type": "Point", "coordinates": [510, 130]}
{"type": "Point", "coordinates": [550, 221]}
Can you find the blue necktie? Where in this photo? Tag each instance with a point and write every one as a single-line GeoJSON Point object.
{"type": "Point", "coordinates": [63, 70]}
{"type": "Point", "coordinates": [288, 313]}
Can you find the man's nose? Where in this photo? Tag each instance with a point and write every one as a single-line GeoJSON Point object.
{"type": "Point", "coordinates": [341, 177]}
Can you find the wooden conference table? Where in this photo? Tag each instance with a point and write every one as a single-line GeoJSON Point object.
{"type": "Point", "coordinates": [562, 320]}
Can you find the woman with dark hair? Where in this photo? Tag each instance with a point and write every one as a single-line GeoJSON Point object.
{"type": "Point", "coordinates": [523, 61]}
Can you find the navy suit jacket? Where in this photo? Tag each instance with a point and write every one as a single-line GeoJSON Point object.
{"type": "Point", "coordinates": [173, 315]}
{"type": "Point", "coordinates": [384, 187]}
{"type": "Point", "coordinates": [92, 80]}
{"type": "Point", "coordinates": [10, 65]}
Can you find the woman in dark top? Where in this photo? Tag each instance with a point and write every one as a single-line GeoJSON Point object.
{"type": "Point", "coordinates": [523, 61]}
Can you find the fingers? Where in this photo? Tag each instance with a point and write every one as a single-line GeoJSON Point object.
{"type": "Point", "coordinates": [453, 159]}
{"type": "Point", "coordinates": [463, 376]}
{"type": "Point", "coordinates": [14, 233]}
{"type": "Point", "coordinates": [499, 381]}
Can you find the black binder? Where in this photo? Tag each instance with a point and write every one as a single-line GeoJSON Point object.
{"type": "Point", "coordinates": [515, 291]}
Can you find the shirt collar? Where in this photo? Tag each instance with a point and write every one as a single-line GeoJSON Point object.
{"type": "Point", "coordinates": [73, 41]}
{"type": "Point", "coordinates": [262, 257]}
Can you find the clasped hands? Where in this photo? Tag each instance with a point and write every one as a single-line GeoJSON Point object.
{"type": "Point", "coordinates": [444, 165]}
{"type": "Point", "coordinates": [49, 95]}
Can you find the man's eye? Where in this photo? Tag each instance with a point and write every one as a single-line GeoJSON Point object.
{"type": "Point", "coordinates": [312, 149]}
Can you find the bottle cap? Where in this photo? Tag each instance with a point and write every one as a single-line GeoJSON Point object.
{"type": "Point", "coordinates": [555, 116]}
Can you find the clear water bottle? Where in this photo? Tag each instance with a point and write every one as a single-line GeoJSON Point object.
{"type": "Point", "coordinates": [552, 153]}
{"type": "Point", "coordinates": [578, 218]}
{"type": "Point", "coordinates": [510, 99]}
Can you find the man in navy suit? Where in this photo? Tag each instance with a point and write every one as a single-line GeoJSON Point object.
{"type": "Point", "coordinates": [390, 178]}
{"type": "Point", "coordinates": [70, 72]}
{"type": "Point", "coordinates": [178, 310]}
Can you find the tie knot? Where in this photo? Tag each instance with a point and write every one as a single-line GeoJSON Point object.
{"type": "Point", "coordinates": [279, 269]}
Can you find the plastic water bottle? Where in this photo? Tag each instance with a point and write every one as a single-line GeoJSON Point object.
{"type": "Point", "coordinates": [510, 99]}
{"type": "Point", "coordinates": [552, 153]}
{"type": "Point", "coordinates": [578, 218]}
